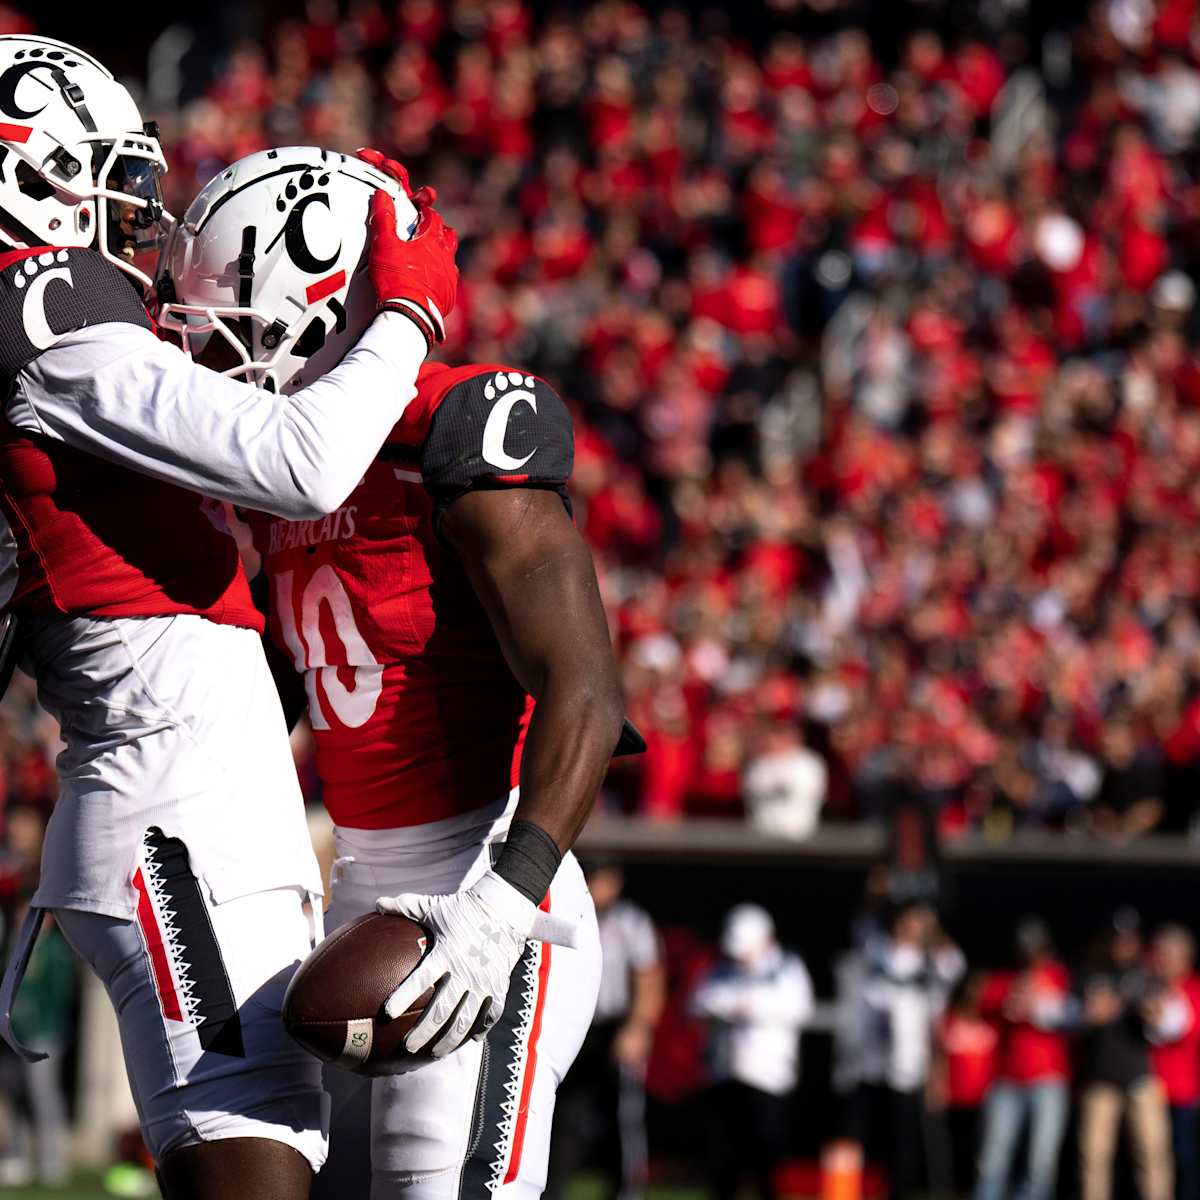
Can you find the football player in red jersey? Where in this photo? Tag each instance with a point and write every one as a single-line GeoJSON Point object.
{"type": "Point", "coordinates": [177, 860]}
{"type": "Point", "coordinates": [465, 703]}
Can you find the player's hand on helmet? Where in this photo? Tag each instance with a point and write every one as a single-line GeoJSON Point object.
{"type": "Point", "coordinates": [418, 277]}
{"type": "Point", "coordinates": [421, 197]}
{"type": "Point", "coordinates": [389, 166]}
{"type": "Point", "coordinates": [479, 935]}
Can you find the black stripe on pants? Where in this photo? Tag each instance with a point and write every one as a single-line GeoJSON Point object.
{"type": "Point", "coordinates": [497, 1094]}
{"type": "Point", "coordinates": [207, 994]}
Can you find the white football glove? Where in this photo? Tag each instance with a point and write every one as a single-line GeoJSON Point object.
{"type": "Point", "coordinates": [478, 937]}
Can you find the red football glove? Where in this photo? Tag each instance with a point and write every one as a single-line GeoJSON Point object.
{"type": "Point", "coordinates": [419, 277]}
{"type": "Point", "coordinates": [422, 197]}
{"type": "Point", "coordinates": [389, 166]}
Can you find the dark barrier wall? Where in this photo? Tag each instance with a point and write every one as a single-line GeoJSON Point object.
{"type": "Point", "coordinates": [691, 874]}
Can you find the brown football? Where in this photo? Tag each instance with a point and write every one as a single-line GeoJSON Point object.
{"type": "Point", "coordinates": [334, 1004]}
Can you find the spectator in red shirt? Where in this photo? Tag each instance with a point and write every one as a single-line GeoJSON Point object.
{"type": "Point", "coordinates": [1030, 1007]}
{"type": "Point", "coordinates": [1173, 1025]}
{"type": "Point", "coordinates": [964, 1073]}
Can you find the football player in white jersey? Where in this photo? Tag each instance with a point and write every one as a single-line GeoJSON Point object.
{"type": "Point", "coordinates": [465, 702]}
{"type": "Point", "coordinates": [177, 860]}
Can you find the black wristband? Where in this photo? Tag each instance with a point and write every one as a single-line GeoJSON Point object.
{"type": "Point", "coordinates": [529, 860]}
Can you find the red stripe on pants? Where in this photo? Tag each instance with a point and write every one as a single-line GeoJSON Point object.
{"type": "Point", "coordinates": [168, 998]}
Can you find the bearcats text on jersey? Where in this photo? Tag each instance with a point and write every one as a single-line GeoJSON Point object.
{"type": "Point", "coordinates": [287, 535]}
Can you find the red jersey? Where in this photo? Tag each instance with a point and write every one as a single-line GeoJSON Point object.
{"type": "Point", "coordinates": [414, 710]}
{"type": "Point", "coordinates": [85, 536]}
{"type": "Point", "coordinates": [1029, 1052]}
{"type": "Point", "coordinates": [1177, 1063]}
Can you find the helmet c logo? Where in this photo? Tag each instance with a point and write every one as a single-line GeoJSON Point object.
{"type": "Point", "coordinates": [33, 311]}
{"type": "Point", "coordinates": [296, 244]}
{"type": "Point", "coordinates": [11, 80]}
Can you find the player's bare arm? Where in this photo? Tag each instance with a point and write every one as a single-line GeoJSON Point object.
{"type": "Point", "coordinates": [503, 512]}
{"type": "Point", "coordinates": [534, 575]}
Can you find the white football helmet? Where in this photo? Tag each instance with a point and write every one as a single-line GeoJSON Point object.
{"type": "Point", "coordinates": [272, 257]}
{"type": "Point", "coordinates": [78, 167]}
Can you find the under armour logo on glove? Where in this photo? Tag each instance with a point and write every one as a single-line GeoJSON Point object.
{"type": "Point", "coordinates": [479, 935]}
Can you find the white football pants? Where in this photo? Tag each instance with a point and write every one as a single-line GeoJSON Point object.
{"type": "Point", "coordinates": [476, 1123]}
{"type": "Point", "coordinates": [197, 988]}
{"type": "Point", "coordinates": [178, 861]}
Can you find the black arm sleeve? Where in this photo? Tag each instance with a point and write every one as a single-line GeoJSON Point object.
{"type": "Point", "coordinates": [55, 292]}
{"type": "Point", "coordinates": [500, 429]}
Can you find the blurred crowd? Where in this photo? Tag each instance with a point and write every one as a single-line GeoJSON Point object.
{"type": "Point", "coordinates": [881, 357]}
{"type": "Point", "coordinates": [1042, 1078]}
{"type": "Point", "coordinates": [966, 1082]}
{"type": "Point", "coordinates": [879, 340]}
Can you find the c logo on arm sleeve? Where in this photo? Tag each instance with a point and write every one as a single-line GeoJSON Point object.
{"type": "Point", "coordinates": [33, 312]}
{"type": "Point", "coordinates": [497, 425]}
{"type": "Point", "coordinates": [46, 294]}
{"type": "Point", "coordinates": [498, 428]}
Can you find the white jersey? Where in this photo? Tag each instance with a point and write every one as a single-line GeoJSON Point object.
{"type": "Point", "coordinates": [179, 833]}
{"type": "Point", "coordinates": [171, 723]}
{"type": "Point", "coordinates": [173, 720]}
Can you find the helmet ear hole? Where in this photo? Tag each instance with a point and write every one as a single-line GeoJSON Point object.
{"type": "Point", "coordinates": [311, 340]}
{"type": "Point", "coordinates": [31, 183]}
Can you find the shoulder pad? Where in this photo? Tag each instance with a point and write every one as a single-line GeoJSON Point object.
{"type": "Point", "coordinates": [496, 428]}
{"type": "Point", "coordinates": [46, 294]}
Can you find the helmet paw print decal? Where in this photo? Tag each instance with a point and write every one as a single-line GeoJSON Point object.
{"type": "Point", "coordinates": [305, 183]}
{"type": "Point", "coordinates": [51, 55]}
